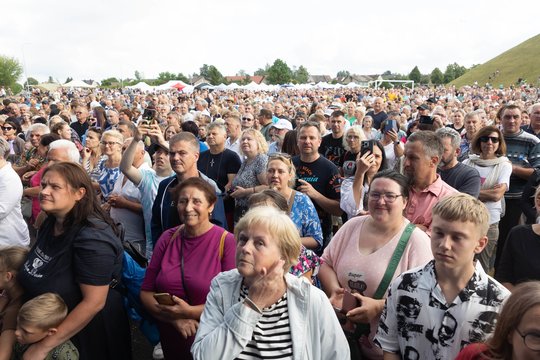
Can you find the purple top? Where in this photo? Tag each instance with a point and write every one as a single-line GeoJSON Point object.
{"type": "Point", "coordinates": [201, 264]}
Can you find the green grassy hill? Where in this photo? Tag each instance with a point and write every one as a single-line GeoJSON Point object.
{"type": "Point", "coordinates": [522, 61]}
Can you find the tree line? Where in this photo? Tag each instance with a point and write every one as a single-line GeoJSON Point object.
{"type": "Point", "coordinates": [277, 73]}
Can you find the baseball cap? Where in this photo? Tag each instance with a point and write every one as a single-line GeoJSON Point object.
{"type": "Point", "coordinates": [283, 124]}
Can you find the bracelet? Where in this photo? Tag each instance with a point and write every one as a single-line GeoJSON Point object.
{"type": "Point", "coordinates": [252, 305]}
{"type": "Point", "coordinates": [253, 189]}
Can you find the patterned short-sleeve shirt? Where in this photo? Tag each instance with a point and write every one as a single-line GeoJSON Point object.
{"type": "Point", "coordinates": [418, 323]}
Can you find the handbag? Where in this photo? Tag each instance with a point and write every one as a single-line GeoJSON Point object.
{"type": "Point", "coordinates": [364, 329]}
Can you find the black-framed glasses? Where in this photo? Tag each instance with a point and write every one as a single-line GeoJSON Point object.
{"type": "Point", "coordinates": [485, 139]}
{"type": "Point", "coordinates": [531, 340]}
{"type": "Point", "coordinates": [247, 119]}
{"type": "Point", "coordinates": [7, 128]}
{"type": "Point", "coordinates": [388, 197]}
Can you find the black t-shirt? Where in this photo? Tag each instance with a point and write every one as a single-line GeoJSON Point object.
{"type": "Point", "coordinates": [323, 175]}
{"type": "Point", "coordinates": [91, 255]}
{"type": "Point", "coordinates": [332, 148]}
{"type": "Point", "coordinates": [519, 260]}
{"type": "Point", "coordinates": [377, 118]}
{"type": "Point", "coordinates": [216, 167]}
{"type": "Point", "coordinates": [347, 163]}
{"type": "Point", "coordinates": [79, 128]}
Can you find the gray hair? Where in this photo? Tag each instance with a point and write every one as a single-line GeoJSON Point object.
{"type": "Point", "coordinates": [430, 143]}
{"type": "Point", "coordinates": [4, 148]}
{"type": "Point", "coordinates": [447, 132]}
{"type": "Point", "coordinates": [217, 125]}
{"type": "Point", "coordinates": [113, 133]}
{"type": "Point", "coordinates": [70, 148]}
{"type": "Point", "coordinates": [44, 129]}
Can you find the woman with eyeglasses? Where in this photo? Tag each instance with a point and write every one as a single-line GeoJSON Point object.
{"type": "Point", "coordinates": [488, 150]}
{"type": "Point", "coordinates": [10, 129]}
{"type": "Point", "coordinates": [281, 175]}
{"type": "Point", "coordinates": [109, 167]}
{"type": "Point", "coordinates": [517, 333]}
{"type": "Point", "coordinates": [358, 256]}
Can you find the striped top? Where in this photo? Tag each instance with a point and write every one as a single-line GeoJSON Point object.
{"type": "Point", "coordinates": [271, 337]}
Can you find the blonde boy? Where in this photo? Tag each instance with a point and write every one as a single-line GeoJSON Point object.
{"type": "Point", "coordinates": [39, 318]}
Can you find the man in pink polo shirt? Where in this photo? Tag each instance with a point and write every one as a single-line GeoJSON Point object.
{"type": "Point", "coordinates": [423, 151]}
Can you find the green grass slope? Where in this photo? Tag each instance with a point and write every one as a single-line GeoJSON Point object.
{"type": "Point", "coordinates": [522, 61]}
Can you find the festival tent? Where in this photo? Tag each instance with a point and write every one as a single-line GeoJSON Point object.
{"type": "Point", "coordinates": [233, 86]}
{"type": "Point", "coordinates": [251, 86]}
{"type": "Point", "coordinates": [77, 84]}
{"type": "Point", "coordinates": [171, 84]}
{"type": "Point", "coordinates": [204, 85]}
{"type": "Point", "coordinates": [47, 86]}
{"type": "Point", "coordinates": [221, 86]}
{"type": "Point", "coordinates": [141, 86]}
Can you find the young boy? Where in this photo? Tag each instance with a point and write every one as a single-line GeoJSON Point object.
{"type": "Point", "coordinates": [451, 302]}
{"type": "Point", "coordinates": [39, 318]}
{"type": "Point", "coordinates": [11, 259]}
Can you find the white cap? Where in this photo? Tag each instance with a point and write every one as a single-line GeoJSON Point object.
{"type": "Point", "coordinates": [283, 124]}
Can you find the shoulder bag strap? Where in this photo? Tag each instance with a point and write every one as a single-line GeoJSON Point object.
{"type": "Point", "coordinates": [291, 201]}
{"type": "Point", "coordinates": [222, 244]}
{"type": "Point", "coordinates": [363, 328]}
{"type": "Point", "coordinates": [394, 261]}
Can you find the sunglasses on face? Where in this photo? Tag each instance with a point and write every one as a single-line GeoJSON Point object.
{"type": "Point", "coordinates": [493, 139]}
{"type": "Point", "coordinates": [7, 128]}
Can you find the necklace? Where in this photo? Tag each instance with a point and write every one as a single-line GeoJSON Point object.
{"type": "Point", "coordinates": [211, 164]}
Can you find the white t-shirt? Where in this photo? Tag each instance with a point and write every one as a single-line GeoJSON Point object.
{"type": "Point", "coordinates": [494, 207]}
{"type": "Point", "coordinates": [13, 228]}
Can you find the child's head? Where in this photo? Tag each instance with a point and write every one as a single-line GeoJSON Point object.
{"type": "Point", "coordinates": [11, 259]}
{"type": "Point", "coordinates": [40, 317]}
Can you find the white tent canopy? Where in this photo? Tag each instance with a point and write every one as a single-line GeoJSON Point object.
{"type": "Point", "coordinates": [141, 86]}
{"type": "Point", "coordinates": [77, 84]}
{"type": "Point", "coordinates": [170, 84]}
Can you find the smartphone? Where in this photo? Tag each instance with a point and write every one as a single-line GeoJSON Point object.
{"type": "Point", "coordinates": [349, 302]}
{"type": "Point", "coordinates": [365, 146]}
{"type": "Point", "coordinates": [390, 125]}
{"type": "Point", "coordinates": [164, 298]}
{"type": "Point", "coordinates": [149, 114]}
{"type": "Point", "coordinates": [297, 183]}
{"type": "Point", "coordinates": [426, 119]}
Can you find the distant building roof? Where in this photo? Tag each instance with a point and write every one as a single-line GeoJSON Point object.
{"type": "Point", "coordinates": [256, 78]}
{"type": "Point", "coordinates": [319, 78]}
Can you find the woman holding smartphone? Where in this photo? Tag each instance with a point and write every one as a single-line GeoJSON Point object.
{"type": "Point", "coordinates": [185, 260]}
{"type": "Point", "coordinates": [358, 256]}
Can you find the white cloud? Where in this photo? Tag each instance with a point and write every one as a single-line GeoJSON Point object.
{"type": "Point", "coordinates": [115, 38]}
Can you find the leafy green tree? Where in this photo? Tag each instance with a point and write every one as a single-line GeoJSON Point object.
{"type": "Point", "coordinates": [112, 81]}
{"type": "Point", "coordinates": [31, 81]}
{"type": "Point", "coordinates": [182, 77]}
{"type": "Point", "coordinates": [279, 73]}
{"type": "Point", "coordinates": [212, 74]}
{"type": "Point", "coordinates": [453, 71]}
{"type": "Point", "coordinates": [68, 79]}
{"type": "Point", "coordinates": [342, 74]}
{"type": "Point", "coordinates": [437, 77]}
{"type": "Point", "coordinates": [10, 71]}
{"type": "Point", "coordinates": [50, 80]}
{"type": "Point", "coordinates": [261, 71]}
{"type": "Point", "coordinates": [138, 75]}
{"type": "Point", "coordinates": [415, 75]}
{"type": "Point", "coordinates": [301, 75]}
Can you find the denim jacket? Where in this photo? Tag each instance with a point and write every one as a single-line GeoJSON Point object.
{"type": "Point", "coordinates": [227, 325]}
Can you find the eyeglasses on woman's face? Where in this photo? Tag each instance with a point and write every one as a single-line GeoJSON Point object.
{"type": "Point", "coordinates": [485, 139]}
{"type": "Point", "coordinates": [388, 197]}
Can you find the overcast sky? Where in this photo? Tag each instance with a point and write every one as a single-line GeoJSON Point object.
{"type": "Point", "coordinates": [101, 39]}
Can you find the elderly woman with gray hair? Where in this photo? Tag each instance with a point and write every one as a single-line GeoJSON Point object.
{"type": "Point", "coordinates": [14, 229]}
{"type": "Point", "coordinates": [259, 310]}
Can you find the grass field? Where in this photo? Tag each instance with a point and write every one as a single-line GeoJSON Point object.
{"type": "Point", "coordinates": [521, 61]}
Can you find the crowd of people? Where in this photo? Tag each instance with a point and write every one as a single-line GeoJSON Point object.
{"type": "Point", "coordinates": [291, 224]}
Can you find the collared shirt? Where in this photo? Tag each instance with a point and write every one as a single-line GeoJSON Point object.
{"type": "Point", "coordinates": [420, 203]}
{"type": "Point", "coordinates": [235, 146]}
{"type": "Point", "coordinates": [418, 323]}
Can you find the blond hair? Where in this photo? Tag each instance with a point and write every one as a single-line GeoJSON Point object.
{"type": "Point", "coordinates": [285, 159]}
{"type": "Point", "coordinates": [114, 134]}
{"type": "Point", "coordinates": [279, 226]}
{"type": "Point", "coordinates": [45, 311]}
{"type": "Point", "coordinates": [12, 258]}
{"type": "Point", "coordinates": [463, 207]}
{"type": "Point", "coordinates": [262, 145]}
